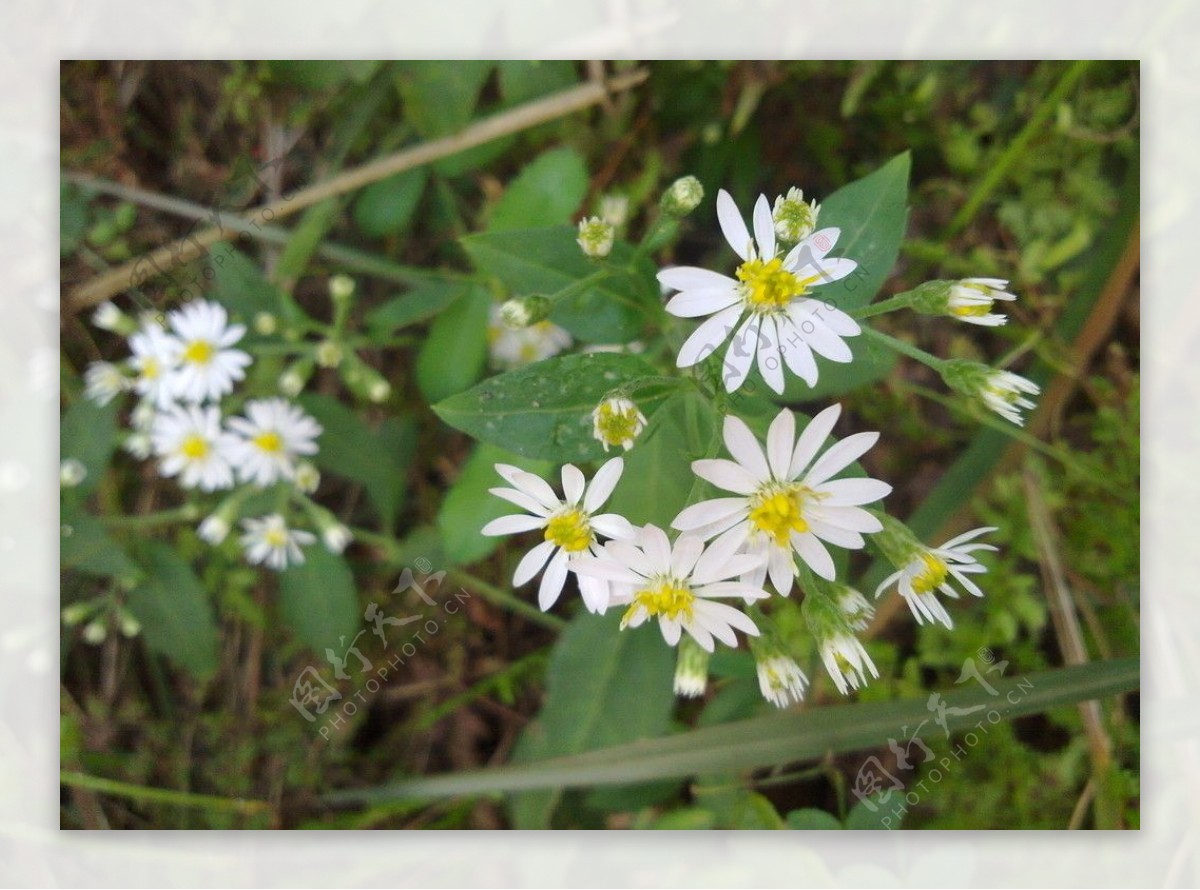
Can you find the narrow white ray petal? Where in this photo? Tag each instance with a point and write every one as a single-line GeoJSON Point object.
{"type": "Point", "coordinates": [531, 563]}
{"type": "Point", "coordinates": [711, 565]}
{"type": "Point", "coordinates": [796, 353]}
{"type": "Point", "coordinates": [684, 554]}
{"type": "Point", "coordinates": [511, 525]}
{"type": "Point", "coordinates": [781, 439]}
{"type": "Point", "coordinates": [764, 228]}
{"type": "Point", "coordinates": [731, 590]}
{"type": "Point", "coordinates": [805, 315]}
{"type": "Point", "coordinates": [694, 303]}
{"type": "Point", "coordinates": [708, 512]}
{"type": "Point", "coordinates": [967, 536]}
{"type": "Point", "coordinates": [522, 500]}
{"type": "Point", "coordinates": [684, 278]}
{"type": "Point", "coordinates": [606, 568]}
{"type": "Point", "coordinates": [853, 518]}
{"type": "Point", "coordinates": [595, 592]}
{"type": "Point", "coordinates": [657, 548]}
{"type": "Point", "coordinates": [812, 249]}
{"type": "Point", "coordinates": [726, 475]}
{"type": "Point", "coordinates": [731, 616]}
{"type": "Point", "coordinates": [537, 487]}
{"type": "Point", "coordinates": [829, 270]}
{"type": "Point", "coordinates": [839, 456]}
{"type": "Point", "coordinates": [632, 557]}
{"type": "Point", "coordinates": [573, 483]}
{"type": "Point", "coordinates": [743, 445]}
{"type": "Point", "coordinates": [852, 492]}
{"type": "Point", "coordinates": [700, 634]}
{"type": "Point", "coordinates": [552, 580]}
{"type": "Point", "coordinates": [707, 338]}
{"type": "Point", "coordinates": [711, 622]}
{"type": "Point", "coordinates": [733, 227]}
{"type": "Point", "coordinates": [603, 483]}
{"type": "Point", "coordinates": [671, 629]}
{"type": "Point", "coordinates": [770, 361]}
{"type": "Point", "coordinates": [812, 438]}
{"type": "Point", "coordinates": [740, 355]}
{"type": "Point", "coordinates": [779, 568]}
{"type": "Point", "coordinates": [615, 526]}
{"type": "Point", "coordinates": [813, 552]}
{"type": "Point", "coordinates": [835, 534]}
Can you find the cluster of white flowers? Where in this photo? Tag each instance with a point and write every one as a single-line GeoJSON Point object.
{"type": "Point", "coordinates": [180, 371]}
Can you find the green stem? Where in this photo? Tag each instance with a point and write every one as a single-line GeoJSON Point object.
{"type": "Point", "coordinates": [580, 286]}
{"type": "Point", "coordinates": [891, 304]}
{"type": "Point", "coordinates": [904, 348]}
{"type": "Point", "coordinates": [163, 795]}
{"type": "Point", "coordinates": [1016, 149]}
{"type": "Point", "coordinates": [186, 513]}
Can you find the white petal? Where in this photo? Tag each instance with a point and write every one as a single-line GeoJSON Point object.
{"type": "Point", "coordinates": [812, 438]}
{"type": "Point", "coordinates": [729, 615]}
{"type": "Point", "coordinates": [671, 629]}
{"type": "Point", "coordinates": [684, 554]}
{"type": "Point", "coordinates": [685, 278]}
{"type": "Point", "coordinates": [742, 444]}
{"type": "Point", "coordinates": [796, 352]}
{"type": "Point", "coordinates": [706, 339]}
{"type": "Point", "coordinates": [781, 438]}
{"type": "Point", "coordinates": [853, 518]}
{"type": "Point", "coordinates": [711, 565]}
{"type": "Point", "coordinates": [531, 563]}
{"type": "Point", "coordinates": [813, 552]}
{"type": "Point", "coordinates": [740, 355]}
{"type": "Point", "coordinates": [694, 303]}
{"type": "Point", "coordinates": [726, 475]}
{"type": "Point", "coordinates": [731, 590]}
{"type": "Point", "coordinates": [764, 228]}
{"type": "Point", "coordinates": [511, 525]}
{"type": "Point", "coordinates": [595, 592]}
{"type": "Point", "coordinates": [603, 483]}
{"type": "Point", "coordinates": [573, 483]}
{"type": "Point", "coordinates": [840, 456]}
{"type": "Point", "coordinates": [780, 569]}
{"type": "Point", "coordinates": [702, 637]}
{"type": "Point", "coordinates": [805, 315]}
{"type": "Point", "coordinates": [536, 487]}
{"type": "Point", "coordinates": [770, 361]}
{"type": "Point", "coordinates": [852, 492]}
{"type": "Point", "coordinates": [522, 500]}
{"type": "Point", "coordinates": [711, 625]}
{"type": "Point", "coordinates": [611, 525]}
{"type": "Point", "coordinates": [830, 270]}
{"type": "Point", "coordinates": [835, 534]}
{"type": "Point", "coordinates": [552, 580]}
{"type": "Point", "coordinates": [732, 225]}
{"type": "Point", "coordinates": [606, 568]}
{"type": "Point", "coordinates": [967, 536]}
{"type": "Point", "coordinates": [657, 548]}
{"type": "Point", "coordinates": [632, 557]}
{"type": "Point", "coordinates": [811, 249]}
{"type": "Point", "coordinates": [708, 512]}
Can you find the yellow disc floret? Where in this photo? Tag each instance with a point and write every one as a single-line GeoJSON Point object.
{"type": "Point", "coordinates": [667, 598]}
{"type": "Point", "coordinates": [199, 352]}
{"type": "Point", "coordinates": [570, 530]}
{"type": "Point", "coordinates": [778, 511]}
{"type": "Point", "coordinates": [275, 537]}
{"type": "Point", "coordinates": [932, 576]}
{"type": "Point", "coordinates": [269, 441]}
{"type": "Point", "coordinates": [767, 286]}
{"type": "Point", "coordinates": [194, 447]}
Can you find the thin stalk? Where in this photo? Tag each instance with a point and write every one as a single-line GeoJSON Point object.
{"type": "Point", "coordinates": [891, 304]}
{"type": "Point", "coordinates": [904, 348]}
{"type": "Point", "coordinates": [163, 795]}
{"type": "Point", "coordinates": [506, 600]}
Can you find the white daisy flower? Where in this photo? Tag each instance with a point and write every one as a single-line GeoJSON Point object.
{"type": "Point", "coordinates": [971, 300]}
{"type": "Point", "coordinates": [617, 421]}
{"type": "Point", "coordinates": [190, 444]}
{"type": "Point", "coordinates": [677, 584]}
{"type": "Point", "coordinates": [569, 527]}
{"type": "Point", "coordinates": [155, 357]}
{"type": "Point", "coordinates": [103, 382]}
{"type": "Point", "coordinates": [1002, 393]}
{"type": "Point", "coordinates": [847, 662]}
{"type": "Point", "coordinates": [766, 305]}
{"type": "Point", "coordinates": [510, 348]}
{"type": "Point", "coordinates": [268, 440]}
{"type": "Point", "coordinates": [268, 541]}
{"type": "Point", "coordinates": [787, 499]}
{"type": "Point", "coordinates": [780, 680]}
{"type": "Point", "coordinates": [208, 367]}
{"type": "Point", "coordinates": [930, 569]}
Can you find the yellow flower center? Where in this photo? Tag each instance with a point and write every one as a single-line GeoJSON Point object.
{"type": "Point", "coordinates": [269, 441]}
{"type": "Point", "coordinates": [779, 511]}
{"type": "Point", "coordinates": [666, 598]}
{"type": "Point", "coordinates": [570, 530]}
{"type": "Point", "coordinates": [971, 310]}
{"type": "Point", "coordinates": [276, 537]}
{"type": "Point", "coordinates": [767, 286]}
{"type": "Point", "coordinates": [195, 447]}
{"type": "Point", "coordinates": [199, 352]}
{"type": "Point", "coordinates": [932, 576]}
{"type": "Point", "coordinates": [150, 368]}
{"type": "Point", "coordinates": [617, 425]}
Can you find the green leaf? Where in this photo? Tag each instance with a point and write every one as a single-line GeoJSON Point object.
{"type": "Point", "coordinates": [812, 820]}
{"type": "Point", "coordinates": [87, 546]}
{"type": "Point", "coordinates": [547, 192]}
{"type": "Point", "coordinates": [440, 96]}
{"type": "Point", "coordinates": [774, 739]}
{"type": "Point", "coordinates": [468, 506]}
{"type": "Point", "coordinates": [386, 207]}
{"type": "Point", "coordinates": [544, 261]}
{"type": "Point", "coordinates": [72, 217]}
{"type": "Point", "coordinates": [868, 815]}
{"type": "Point", "coordinates": [319, 74]}
{"type": "Point", "coordinates": [89, 435]}
{"type": "Point", "coordinates": [872, 362]}
{"type": "Point", "coordinates": [453, 355]}
{"type": "Point", "coordinates": [871, 212]}
{"type": "Point", "coordinates": [419, 304]}
{"type": "Point", "coordinates": [604, 686]}
{"type": "Point", "coordinates": [174, 610]}
{"type": "Point", "coordinates": [240, 287]}
{"type": "Point", "coordinates": [318, 600]}
{"type": "Point", "coordinates": [304, 241]}
{"type": "Point", "coordinates": [658, 478]}
{"type": "Point", "coordinates": [544, 410]}
{"type": "Point", "coordinates": [378, 458]}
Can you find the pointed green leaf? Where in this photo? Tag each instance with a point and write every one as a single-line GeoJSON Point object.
{"type": "Point", "coordinates": [318, 600]}
{"type": "Point", "coordinates": [546, 192]}
{"type": "Point", "coordinates": [174, 610]}
{"type": "Point", "coordinates": [453, 355]}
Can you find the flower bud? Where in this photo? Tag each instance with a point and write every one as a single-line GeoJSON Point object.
{"type": "Point", "coordinates": [265, 323]}
{"type": "Point", "coordinates": [521, 312]}
{"type": "Point", "coordinates": [617, 421]}
{"type": "Point", "coordinates": [596, 237]}
{"type": "Point", "coordinates": [108, 317]}
{"type": "Point", "coordinates": [691, 669]}
{"type": "Point", "coordinates": [329, 354]}
{"type": "Point", "coordinates": [71, 472]}
{"type": "Point", "coordinates": [341, 288]}
{"type": "Point", "coordinates": [683, 196]}
{"type": "Point", "coordinates": [794, 219]}
{"type": "Point", "coordinates": [1000, 391]}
